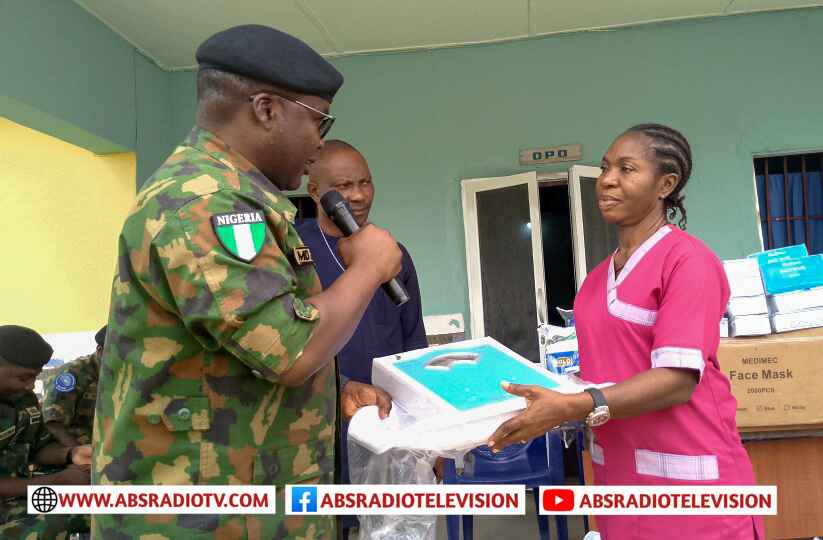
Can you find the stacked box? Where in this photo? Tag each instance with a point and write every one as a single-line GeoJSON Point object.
{"type": "Point", "coordinates": [747, 310]}
{"type": "Point", "coordinates": [724, 327]}
{"type": "Point", "coordinates": [779, 254]}
{"type": "Point", "coordinates": [750, 325]}
{"type": "Point", "coordinates": [744, 277]}
{"type": "Point", "coordinates": [791, 302]}
{"type": "Point", "coordinates": [793, 274]}
{"type": "Point", "coordinates": [793, 281]}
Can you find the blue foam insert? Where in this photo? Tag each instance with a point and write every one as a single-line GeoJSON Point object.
{"type": "Point", "coordinates": [467, 386]}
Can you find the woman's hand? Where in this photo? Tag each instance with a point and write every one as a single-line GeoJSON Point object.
{"type": "Point", "coordinates": [545, 409]}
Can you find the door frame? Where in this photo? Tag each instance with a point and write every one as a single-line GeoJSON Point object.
{"type": "Point", "coordinates": [576, 216]}
{"type": "Point", "coordinates": [469, 188]}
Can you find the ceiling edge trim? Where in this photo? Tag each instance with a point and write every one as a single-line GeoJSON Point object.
{"type": "Point", "coordinates": [511, 39]}
{"type": "Point", "coordinates": [315, 21]}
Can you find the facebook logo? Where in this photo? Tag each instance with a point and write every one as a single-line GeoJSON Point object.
{"type": "Point", "coordinates": [303, 499]}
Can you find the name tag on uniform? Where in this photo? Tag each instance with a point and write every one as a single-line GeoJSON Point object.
{"type": "Point", "coordinates": [302, 255]}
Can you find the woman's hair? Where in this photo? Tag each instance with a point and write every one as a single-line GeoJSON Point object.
{"type": "Point", "coordinates": [673, 155]}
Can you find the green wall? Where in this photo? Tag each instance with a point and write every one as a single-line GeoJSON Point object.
{"type": "Point", "coordinates": [66, 74]}
{"type": "Point", "coordinates": [735, 86]}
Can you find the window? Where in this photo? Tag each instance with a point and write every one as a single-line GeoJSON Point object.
{"type": "Point", "coordinates": [790, 199]}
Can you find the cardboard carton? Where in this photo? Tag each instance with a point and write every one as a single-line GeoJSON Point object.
{"type": "Point", "coordinates": [777, 380]}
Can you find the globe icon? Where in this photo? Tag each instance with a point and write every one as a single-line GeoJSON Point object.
{"type": "Point", "coordinates": [44, 499]}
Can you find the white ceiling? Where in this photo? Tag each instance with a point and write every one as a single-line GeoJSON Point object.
{"type": "Point", "coordinates": [169, 31]}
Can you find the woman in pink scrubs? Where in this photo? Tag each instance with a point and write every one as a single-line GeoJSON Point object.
{"type": "Point", "coordinates": [648, 319]}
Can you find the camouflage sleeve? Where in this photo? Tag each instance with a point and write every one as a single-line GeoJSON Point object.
{"type": "Point", "coordinates": [42, 438]}
{"type": "Point", "coordinates": [252, 309]}
{"type": "Point", "coordinates": [8, 428]}
{"type": "Point", "coordinates": [59, 398]}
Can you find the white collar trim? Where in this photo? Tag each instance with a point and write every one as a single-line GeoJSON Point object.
{"type": "Point", "coordinates": [636, 257]}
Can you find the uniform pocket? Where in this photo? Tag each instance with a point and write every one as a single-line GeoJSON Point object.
{"type": "Point", "coordinates": [186, 414]}
{"type": "Point", "coordinates": [676, 466]}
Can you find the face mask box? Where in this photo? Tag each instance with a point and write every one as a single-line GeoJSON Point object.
{"type": "Point", "coordinates": [724, 327]}
{"type": "Point", "coordinates": [798, 320]}
{"type": "Point", "coordinates": [747, 305]}
{"type": "Point", "coordinates": [796, 301]}
{"type": "Point", "coordinates": [779, 254]}
{"type": "Point", "coordinates": [793, 274]}
{"type": "Point", "coordinates": [775, 379]}
{"type": "Point", "coordinates": [744, 277]}
{"type": "Point", "coordinates": [750, 325]}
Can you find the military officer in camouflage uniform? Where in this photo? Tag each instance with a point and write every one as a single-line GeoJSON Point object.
{"type": "Point", "coordinates": [218, 360]}
{"type": "Point", "coordinates": [26, 445]}
{"type": "Point", "coordinates": [70, 392]}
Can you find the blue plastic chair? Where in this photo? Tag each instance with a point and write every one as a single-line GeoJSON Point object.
{"type": "Point", "coordinates": [532, 464]}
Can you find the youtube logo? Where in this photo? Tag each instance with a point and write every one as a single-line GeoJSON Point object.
{"type": "Point", "coordinates": [558, 500]}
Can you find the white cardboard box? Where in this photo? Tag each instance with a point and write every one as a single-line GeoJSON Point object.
{"type": "Point", "coordinates": [747, 305]}
{"type": "Point", "coordinates": [796, 300]}
{"type": "Point", "coordinates": [422, 419]}
{"type": "Point", "coordinates": [420, 401]}
{"type": "Point", "coordinates": [750, 325]}
{"type": "Point", "coordinates": [810, 318]}
{"type": "Point", "coordinates": [744, 277]}
{"type": "Point", "coordinates": [724, 327]}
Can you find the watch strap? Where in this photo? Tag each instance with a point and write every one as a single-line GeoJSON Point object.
{"type": "Point", "coordinates": [597, 396]}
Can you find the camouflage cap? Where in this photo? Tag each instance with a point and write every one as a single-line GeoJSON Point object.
{"type": "Point", "coordinates": [24, 347]}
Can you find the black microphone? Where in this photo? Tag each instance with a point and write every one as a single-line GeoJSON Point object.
{"type": "Point", "coordinates": [339, 212]}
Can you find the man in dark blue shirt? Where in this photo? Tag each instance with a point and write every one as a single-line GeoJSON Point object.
{"type": "Point", "coordinates": [385, 328]}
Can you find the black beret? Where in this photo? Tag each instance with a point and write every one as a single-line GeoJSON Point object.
{"type": "Point", "coordinates": [100, 336]}
{"type": "Point", "coordinates": [270, 56]}
{"type": "Point", "coordinates": [24, 347]}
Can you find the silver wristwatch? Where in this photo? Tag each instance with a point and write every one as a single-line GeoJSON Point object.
{"type": "Point", "coordinates": [601, 414]}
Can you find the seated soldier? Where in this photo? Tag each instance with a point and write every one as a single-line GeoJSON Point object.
{"type": "Point", "coordinates": [25, 443]}
{"type": "Point", "coordinates": [69, 396]}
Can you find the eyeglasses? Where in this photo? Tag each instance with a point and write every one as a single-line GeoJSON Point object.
{"type": "Point", "coordinates": [325, 123]}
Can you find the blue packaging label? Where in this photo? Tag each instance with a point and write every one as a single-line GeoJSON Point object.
{"type": "Point", "coordinates": [563, 363]}
{"type": "Point", "coordinates": [793, 274]}
{"type": "Point", "coordinates": [780, 254]}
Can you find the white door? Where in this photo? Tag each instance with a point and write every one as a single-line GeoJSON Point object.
{"type": "Point", "coordinates": [594, 240]}
{"type": "Point", "coordinates": [504, 259]}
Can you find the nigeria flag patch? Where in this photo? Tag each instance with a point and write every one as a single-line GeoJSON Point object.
{"type": "Point", "coordinates": [241, 233]}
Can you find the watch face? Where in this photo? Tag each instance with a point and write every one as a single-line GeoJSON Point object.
{"type": "Point", "coordinates": [598, 417]}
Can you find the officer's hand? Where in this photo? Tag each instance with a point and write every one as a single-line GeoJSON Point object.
{"type": "Point", "coordinates": [81, 455]}
{"type": "Point", "coordinates": [73, 476]}
{"type": "Point", "coordinates": [356, 395]}
{"type": "Point", "coordinates": [374, 249]}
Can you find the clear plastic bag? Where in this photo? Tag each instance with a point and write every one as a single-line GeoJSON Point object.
{"type": "Point", "coordinates": [395, 466]}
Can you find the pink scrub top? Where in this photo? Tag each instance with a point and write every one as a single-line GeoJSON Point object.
{"type": "Point", "coordinates": [664, 310]}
